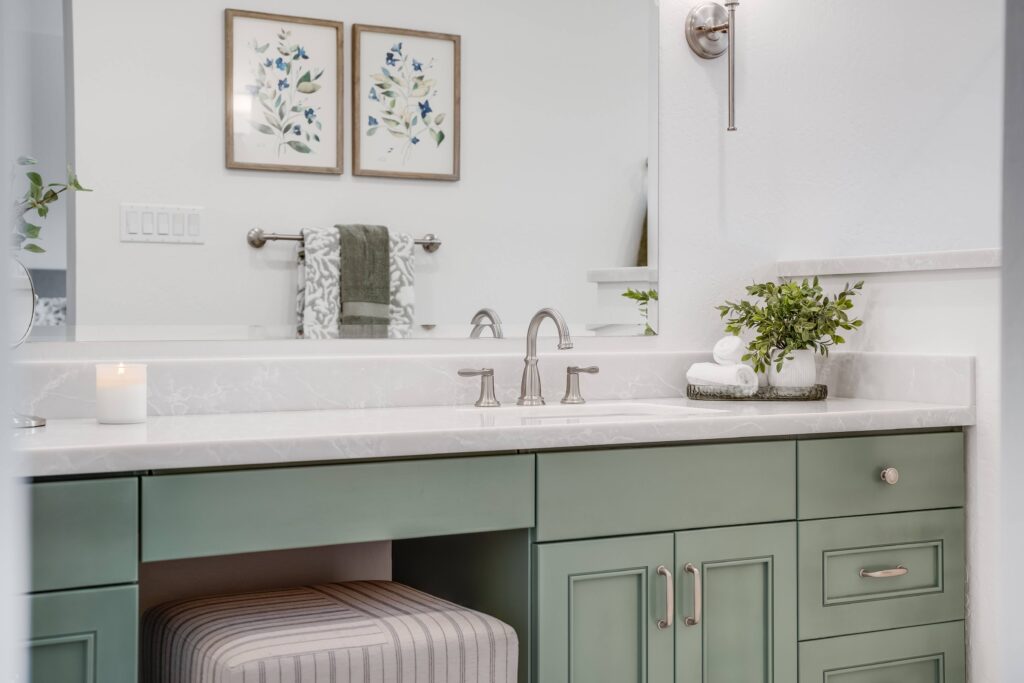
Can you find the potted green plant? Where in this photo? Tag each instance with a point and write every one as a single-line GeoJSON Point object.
{"type": "Point", "coordinates": [792, 322]}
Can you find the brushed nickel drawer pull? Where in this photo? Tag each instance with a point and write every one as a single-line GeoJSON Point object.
{"type": "Point", "coordinates": [670, 599]}
{"type": "Point", "coordinates": [698, 593]}
{"type": "Point", "coordinates": [890, 475]}
{"type": "Point", "coordinates": [884, 573]}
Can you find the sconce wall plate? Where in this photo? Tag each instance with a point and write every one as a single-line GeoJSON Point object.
{"type": "Point", "coordinates": [705, 43]}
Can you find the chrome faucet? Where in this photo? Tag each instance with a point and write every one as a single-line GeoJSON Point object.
{"type": "Point", "coordinates": [494, 323]}
{"type": "Point", "coordinates": [530, 394]}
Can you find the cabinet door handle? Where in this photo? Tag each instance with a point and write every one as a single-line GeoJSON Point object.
{"type": "Point", "coordinates": [698, 593]}
{"type": "Point", "coordinates": [670, 599]}
{"type": "Point", "coordinates": [884, 573]}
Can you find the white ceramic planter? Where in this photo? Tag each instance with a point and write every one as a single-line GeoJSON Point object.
{"type": "Point", "coordinates": [800, 371]}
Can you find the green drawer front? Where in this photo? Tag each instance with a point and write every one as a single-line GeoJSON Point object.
{"type": "Point", "coordinates": [926, 654]}
{"type": "Point", "coordinates": [84, 533]}
{"type": "Point", "coordinates": [88, 636]}
{"type": "Point", "coordinates": [582, 494]}
{"type": "Point", "coordinates": [835, 599]}
{"type": "Point", "coordinates": [221, 513]}
{"type": "Point", "coordinates": [842, 477]}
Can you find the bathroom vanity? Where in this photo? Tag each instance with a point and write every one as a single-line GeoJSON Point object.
{"type": "Point", "coordinates": [720, 543]}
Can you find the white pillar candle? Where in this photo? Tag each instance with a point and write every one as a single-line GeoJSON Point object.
{"type": "Point", "coordinates": [120, 393]}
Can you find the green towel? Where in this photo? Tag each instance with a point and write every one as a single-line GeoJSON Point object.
{"type": "Point", "coordinates": [365, 280]}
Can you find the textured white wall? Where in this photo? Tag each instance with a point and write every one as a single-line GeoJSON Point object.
{"type": "Point", "coordinates": [554, 139]}
{"type": "Point", "coordinates": [1012, 531]}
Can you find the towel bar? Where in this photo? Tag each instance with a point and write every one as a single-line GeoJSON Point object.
{"type": "Point", "coordinates": [257, 238]}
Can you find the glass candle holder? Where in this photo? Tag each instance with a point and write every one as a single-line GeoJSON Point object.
{"type": "Point", "coordinates": [120, 393]}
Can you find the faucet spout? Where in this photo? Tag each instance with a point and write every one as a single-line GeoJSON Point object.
{"type": "Point", "coordinates": [530, 392]}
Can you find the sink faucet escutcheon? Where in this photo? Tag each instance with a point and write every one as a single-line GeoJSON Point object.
{"type": "Point", "coordinates": [530, 394]}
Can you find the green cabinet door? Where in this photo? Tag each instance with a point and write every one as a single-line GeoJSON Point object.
{"type": "Point", "coordinates": [596, 610]}
{"type": "Point", "coordinates": [739, 585]}
{"type": "Point", "coordinates": [87, 636]}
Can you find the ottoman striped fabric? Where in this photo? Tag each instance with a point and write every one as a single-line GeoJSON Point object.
{"type": "Point", "coordinates": [359, 632]}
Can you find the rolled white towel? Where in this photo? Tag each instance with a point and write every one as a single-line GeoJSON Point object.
{"type": "Point", "coordinates": [729, 351]}
{"type": "Point", "coordinates": [742, 376]}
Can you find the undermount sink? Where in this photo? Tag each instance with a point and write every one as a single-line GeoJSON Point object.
{"type": "Point", "coordinates": [610, 411]}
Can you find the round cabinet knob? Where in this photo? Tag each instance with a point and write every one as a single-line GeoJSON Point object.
{"type": "Point", "coordinates": [890, 475]}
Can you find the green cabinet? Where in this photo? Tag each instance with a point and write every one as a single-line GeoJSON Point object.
{"type": "Point", "coordinates": [86, 636]}
{"type": "Point", "coordinates": [745, 580]}
{"type": "Point", "coordinates": [597, 607]}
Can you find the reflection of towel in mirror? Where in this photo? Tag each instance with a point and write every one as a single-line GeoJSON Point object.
{"type": "Point", "coordinates": [403, 285]}
{"type": "Point", "coordinates": [365, 280]}
{"type": "Point", "coordinates": [319, 298]}
{"type": "Point", "coordinates": [318, 304]}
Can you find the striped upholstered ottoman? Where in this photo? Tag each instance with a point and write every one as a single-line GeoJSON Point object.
{"type": "Point", "coordinates": [360, 632]}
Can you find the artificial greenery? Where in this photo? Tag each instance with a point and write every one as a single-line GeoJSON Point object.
{"type": "Point", "coordinates": [643, 300]}
{"type": "Point", "coordinates": [38, 199]}
{"type": "Point", "coordinates": [791, 316]}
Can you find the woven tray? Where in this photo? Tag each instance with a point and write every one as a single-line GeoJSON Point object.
{"type": "Point", "coordinates": [706, 392]}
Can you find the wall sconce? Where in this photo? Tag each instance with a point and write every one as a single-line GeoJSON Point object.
{"type": "Point", "coordinates": [711, 31]}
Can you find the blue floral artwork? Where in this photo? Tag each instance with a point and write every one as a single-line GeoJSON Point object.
{"type": "Point", "coordinates": [401, 93]}
{"type": "Point", "coordinates": [283, 87]}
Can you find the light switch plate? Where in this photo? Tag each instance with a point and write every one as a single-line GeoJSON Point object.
{"type": "Point", "coordinates": [161, 223]}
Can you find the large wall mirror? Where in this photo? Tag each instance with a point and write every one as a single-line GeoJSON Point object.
{"type": "Point", "coordinates": [521, 136]}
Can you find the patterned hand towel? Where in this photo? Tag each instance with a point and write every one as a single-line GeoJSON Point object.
{"type": "Point", "coordinates": [403, 286]}
{"type": "Point", "coordinates": [365, 280]}
{"type": "Point", "coordinates": [319, 297]}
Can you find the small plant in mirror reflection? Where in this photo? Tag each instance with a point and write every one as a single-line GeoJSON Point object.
{"type": "Point", "coordinates": [37, 199]}
{"type": "Point", "coordinates": [402, 90]}
{"type": "Point", "coordinates": [643, 299]}
{"type": "Point", "coordinates": [281, 86]}
{"type": "Point", "coordinates": [791, 316]}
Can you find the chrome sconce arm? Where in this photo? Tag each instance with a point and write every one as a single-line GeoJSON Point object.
{"type": "Point", "coordinates": [710, 32]}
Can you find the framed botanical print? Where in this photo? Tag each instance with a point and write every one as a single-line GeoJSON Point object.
{"type": "Point", "coordinates": [283, 92]}
{"type": "Point", "coordinates": [405, 103]}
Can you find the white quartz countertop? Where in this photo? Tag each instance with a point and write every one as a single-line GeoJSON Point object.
{"type": "Point", "coordinates": [81, 446]}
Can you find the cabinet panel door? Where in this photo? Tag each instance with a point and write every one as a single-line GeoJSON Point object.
{"type": "Point", "coordinates": [747, 629]}
{"type": "Point", "coordinates": [84, 533]}
{"type": "Point", "coordinates": [925, 654]}
{"type": "Point", "coordinates": [597, 606]}
{"type": "Point", "coordinates": [87, 636]}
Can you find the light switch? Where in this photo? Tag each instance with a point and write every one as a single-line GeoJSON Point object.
{"type": "Point", "coordinates": [132, 222]}
{"type": "Point", "coordinates": [161, 223]}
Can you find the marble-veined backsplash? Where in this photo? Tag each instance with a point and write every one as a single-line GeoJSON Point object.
{"type": "Point", "coordinates": [194, 385]}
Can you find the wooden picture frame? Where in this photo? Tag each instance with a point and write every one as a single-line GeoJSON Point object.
{"type": "Point", "coordinates": [407, 142]}
{"type": "Point", "coordinates": [283, 106]}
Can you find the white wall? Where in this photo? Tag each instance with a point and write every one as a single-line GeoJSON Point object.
{"type": "Point", "coordinates": [14, 39]}
{"type": "Point", "coordinates": [1012, 531]}
{"type": "Point", "coordinates": [555, 134]}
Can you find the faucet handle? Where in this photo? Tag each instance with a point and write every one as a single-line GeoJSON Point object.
{"type": "Point", "coordinates": [487, 398]}
{"type": "Point", "coordinates": [572, 383]}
